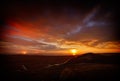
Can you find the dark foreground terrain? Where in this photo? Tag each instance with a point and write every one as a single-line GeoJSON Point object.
{"type": "Point", "coordinates": [86, 67]}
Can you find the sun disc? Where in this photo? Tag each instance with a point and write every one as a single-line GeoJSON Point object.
{"type": "Point", "coordinates": [24, 52]}
{"type": "Point", "coordinates": [73, 51]}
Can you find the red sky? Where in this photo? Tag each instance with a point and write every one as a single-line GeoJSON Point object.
{"type": "Point", "coordinates": [57, 27]}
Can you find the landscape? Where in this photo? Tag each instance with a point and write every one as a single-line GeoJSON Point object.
{"type": "Point", "coordinates": [86, 67]}
{"type": "Point", "coordinates": [59, 40]}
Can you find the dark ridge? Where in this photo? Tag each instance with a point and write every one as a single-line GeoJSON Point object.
{"type": "Point", "coordinates": [109, 58]}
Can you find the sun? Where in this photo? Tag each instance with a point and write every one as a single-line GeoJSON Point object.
{"type": "Point", "coordinates": [24, 52]}
{"type": "Point", "coordinates": [73, 51]}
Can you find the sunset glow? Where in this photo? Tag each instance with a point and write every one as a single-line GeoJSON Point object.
{"type": "Point", "coordinates": [24, 52]}
{"type": "Point", "coordinates": [74, 51]}
{"type": "Point", "coordinates": [57, 29]}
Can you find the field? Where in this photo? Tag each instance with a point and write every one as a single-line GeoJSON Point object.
{"type": "Point", "coordinates": [86, 67]}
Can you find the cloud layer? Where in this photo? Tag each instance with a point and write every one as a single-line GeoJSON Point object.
{"type": "Point", "coordinates": [41, 29]}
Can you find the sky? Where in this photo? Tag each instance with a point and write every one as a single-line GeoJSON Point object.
{"type": "Point", "coordinates": [54, 27]}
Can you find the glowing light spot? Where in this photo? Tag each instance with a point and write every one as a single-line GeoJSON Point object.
{"type": "Point", "coordinates": [24, 52]}
{"type": "Point", "coordinates": [74, 51]}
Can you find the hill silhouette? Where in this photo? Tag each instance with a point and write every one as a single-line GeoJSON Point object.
{"type": "Point", "coordinates": [95, 58]}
